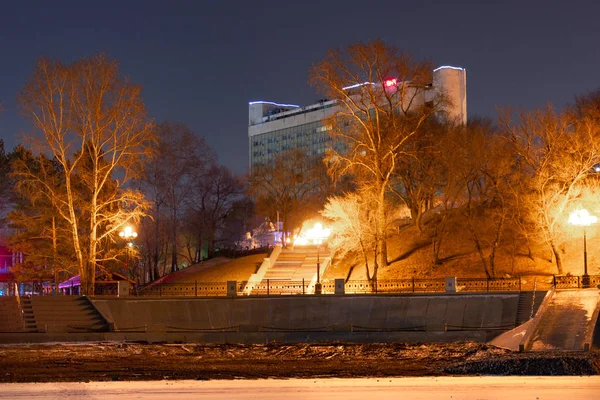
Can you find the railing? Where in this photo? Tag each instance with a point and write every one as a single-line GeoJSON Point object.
{"type": "Point", "coordinates": [273, 287]}
{"type": "Point", "coordinates": [191, 289]}
{"type": "Point", "coordinates": [269, 287]}
{"type": "Point", "coordinates": [390, 286]}
{"type": "Point", "coordinates": [488, 285]}
{"type": "Point", "coordinates": [574, 282]}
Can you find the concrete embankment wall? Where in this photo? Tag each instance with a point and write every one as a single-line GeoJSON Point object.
{"type": "Point", "coordinates": [361, 318]}
{"type": "Point", "coordinates": [10, 315]}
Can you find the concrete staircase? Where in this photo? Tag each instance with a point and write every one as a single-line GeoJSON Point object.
{"type": "Point", "coordinates": [529, 302]}
{"type": "Point", "coordinates": [10, 315]}
{"type": "Point", "coordinates": [61, 314]}
{"type": "Point", "coordinates": [285, 266]}
{"type": "Point", "coordinates": [28, 317]}
{"type": "Point", "coordinates": [293, 267]}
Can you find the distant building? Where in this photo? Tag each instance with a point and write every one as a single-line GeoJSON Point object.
{"type": "Point", "coordinates": [7, 279]}
{"type": "Point", "coordinates": [266, 235]}
{"type": "Point", "coordinates": [275, 127]}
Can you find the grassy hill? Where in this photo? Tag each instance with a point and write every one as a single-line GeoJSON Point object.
{"type": "Point", "coordinates": [410, 253]}
{"type": "Point", "coordinates": [217, 270]}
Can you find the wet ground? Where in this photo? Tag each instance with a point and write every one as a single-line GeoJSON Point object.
{"type": "Point", "coordinates": [110, 361]}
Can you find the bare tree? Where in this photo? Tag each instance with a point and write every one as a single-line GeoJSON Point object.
{"type": "Point", "coordinates": [5, 182]}
{"type": "Point", "coordinates": [213, 199]}
{"type": "Point", "coordinates": [295, 185]}
{"type": "Point", "coordinates": [181, 158]}
{"type": "Point", "coordinates": [421, 173]}
{"type": "Point", "coordinates": [39, 231]}
{"type": "Point", "coordinates": [484, 163]}
{"type": "Point", "coordinates": [379, 91]}
{"type": "Point", "coordinates": [352, 220]}
{"type": "Point", "coordinates": [557, 152]}
{"type": "Point", "coordinates": [450, 188]}
{"type": "Point", "coordinates": [89, 115]}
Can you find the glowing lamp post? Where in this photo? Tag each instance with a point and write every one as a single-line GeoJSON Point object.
{"type": "Point", "coordinates": [317, 234]}
{"type": "Point", "coordinates": [583, 218]}
{"type": "Point", "coordinates": [128, 234]}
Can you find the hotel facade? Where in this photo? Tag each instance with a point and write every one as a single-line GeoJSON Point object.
{"type": "Point", "coordinates": [275, 127]}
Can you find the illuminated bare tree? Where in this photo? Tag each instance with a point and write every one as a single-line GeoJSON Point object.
{"type": "Point", "coordinates": [421, 174]}
{"type": "Point", "coordinates": [379, 91]}
{"type": "Point", "coordinates": [39, 231]}
{"type": "Point", "coordinates": [352, 219]}
{"type": "Point", "coordinates": [91, 119]}
{"type": "Point", "coordinates": [557, 152]}
{"type": "Point", "coordinates": [482, 163]}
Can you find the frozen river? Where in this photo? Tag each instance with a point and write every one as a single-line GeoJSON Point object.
{"type": "Point", "coordinates": [479, 388]}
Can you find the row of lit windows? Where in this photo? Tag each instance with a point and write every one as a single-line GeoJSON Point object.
{"type": "Point", "coordinates": [261, 157]}
{"type": "Point", "coordinates": [268, 142]}
{"type": "Point", "coordinates": [292, 133]}
{"type": "Point", "coordinates": [314, 138]}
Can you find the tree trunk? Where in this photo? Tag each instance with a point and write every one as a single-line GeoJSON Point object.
{"type": "Point", "coordinates": [381, 245]}
{"type": "Point", "coordinates": [175, 221]}
{"type": "Point", "coordinates": [415, 216]}
{"type": "Point", "coordinates": [495, 245]}
{"type": "Point", "coordinates": [557, 257]}
{"type": "Point", "coordinates": [479, 249]}
{"type": "Point", "coordinates": [154, 268]}
{"type": "Point", "coordinates": [199, 250]}
{"type": "Point", "coordinates": [54, 254]}
{"type": "Point", "coordinates": [438, 238]}
{"type": "Point", "coordinates": [174, 259]}
{"type": "Point", "coordinates": [87, 280]}
{"type": "Point", "coordinates": [366, 257]}
{"type": "Point", "coordinates": [211, 242]}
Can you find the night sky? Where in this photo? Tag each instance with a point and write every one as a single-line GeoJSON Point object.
{"type": "Point", "coordinates": [200, 62]}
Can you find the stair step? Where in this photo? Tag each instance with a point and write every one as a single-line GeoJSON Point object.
{"type": "Point", "coordinates": [70, 313]}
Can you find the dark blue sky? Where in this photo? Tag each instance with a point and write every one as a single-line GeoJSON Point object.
{"type": "Point", "coordinates": [200, 62]}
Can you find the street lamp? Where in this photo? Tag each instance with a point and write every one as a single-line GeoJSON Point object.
{"type": "Point", "coordinates": [583, 218]}
{"type": "Point", "coordinates": [128, 234]}
{"type": "Point", "coordinates": [317, 234]}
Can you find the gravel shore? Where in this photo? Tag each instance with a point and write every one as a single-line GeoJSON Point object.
{"type": "Point", "coordinates": [111, 361]}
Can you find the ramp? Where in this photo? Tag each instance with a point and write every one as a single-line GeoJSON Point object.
{"type": "Point", "coordinates": [568, 321]}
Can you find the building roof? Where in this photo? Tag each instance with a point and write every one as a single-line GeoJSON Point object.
{"type": "Point", "coordinates": [103, 277]}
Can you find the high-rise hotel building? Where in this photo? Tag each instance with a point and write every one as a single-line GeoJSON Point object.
{"type": "Point", "coordinates": [275, 127]}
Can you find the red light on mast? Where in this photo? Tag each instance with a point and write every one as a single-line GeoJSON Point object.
{"type": "Point", "coordinates": [390, 82]}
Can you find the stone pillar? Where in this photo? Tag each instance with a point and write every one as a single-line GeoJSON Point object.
{"type": "Point", "coordinates": [231, 288]}
{"type": "Point", "coordinates": [122, 288]}
{"type": "Point", "coordinates": [340, 286]}
{"type": "Point", "coordinates": [451, 284]}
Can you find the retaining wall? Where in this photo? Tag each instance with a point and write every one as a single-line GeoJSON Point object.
{"type": "Point", "coordinates": [440, 317]}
